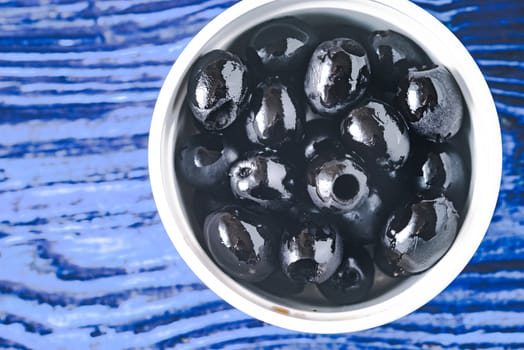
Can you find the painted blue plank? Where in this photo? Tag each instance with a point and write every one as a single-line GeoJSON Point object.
{"type": "Point", "coordinates": [84, 258]}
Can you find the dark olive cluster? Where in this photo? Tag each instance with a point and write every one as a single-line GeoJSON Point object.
{"type": "Point", "coordinates": [320, 159]}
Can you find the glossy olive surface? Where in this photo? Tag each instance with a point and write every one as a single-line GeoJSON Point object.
{"type": "Point", "coordinates": [276, 115]}
{"type": "Point", "coordinates": [440, 170]}
{"type": "Point", "coordinates": [337, 75]}
{"type": "Point", "coordinates": [392, 55]}
{"type": "Point", "coordinates": [243, 243]}
{"type": "Point", "coordinates": [311, 251]}
{"type": "Point", "coordinates": [377, 132]}
{"type": "Point", "coordinates": [217, 89]}
{"type": "Point", "coordinates": [265, 179]}
{"type": "Point", "coordinates": [431, 102]}
{"type": "Point", "coordinates": [417, 236]}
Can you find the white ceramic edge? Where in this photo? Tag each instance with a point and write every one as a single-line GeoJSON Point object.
{"type": "Point", "coordinates": [422, 288]}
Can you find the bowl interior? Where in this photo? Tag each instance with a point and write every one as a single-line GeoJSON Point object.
{"type": "Point", "coordinates": [309, 299]}
{"type": "Point", "coordinates": [390, 299]}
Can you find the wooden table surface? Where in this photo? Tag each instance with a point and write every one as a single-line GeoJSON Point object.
{"type": "Point", "coordinates": [84, 260]}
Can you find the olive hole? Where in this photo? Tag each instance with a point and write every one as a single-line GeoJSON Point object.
{"type": "Point", "coordinates": [244, 172]}
{"type": "Point", "coordinates": [353, 276]}
{"type": "Point", "coordinates": [345, 187]}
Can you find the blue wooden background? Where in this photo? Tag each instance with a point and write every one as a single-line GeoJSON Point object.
{"type": "Point", "coordinates": [84, 260]}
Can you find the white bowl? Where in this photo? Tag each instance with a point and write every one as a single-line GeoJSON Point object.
{"type": "Point", "coordinates": [399, 299]}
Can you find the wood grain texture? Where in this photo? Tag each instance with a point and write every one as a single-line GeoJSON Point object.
{"type": "Point", "coordinates": [84, 260]}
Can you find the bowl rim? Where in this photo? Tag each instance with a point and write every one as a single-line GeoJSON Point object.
{"type": "Point", "coordinates": [415, 292]}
